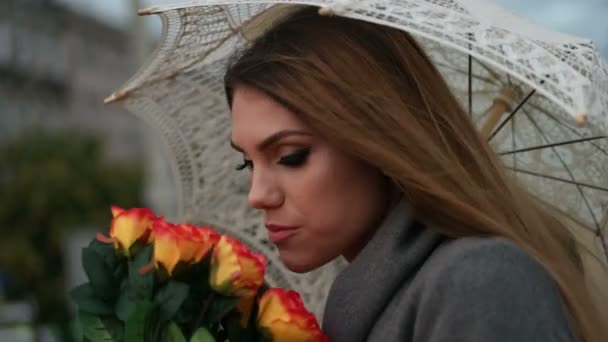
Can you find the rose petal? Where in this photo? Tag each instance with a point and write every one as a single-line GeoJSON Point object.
{"type": "Point", "coordinates": [130, 226]}
{"type": "Point", "coordinates": [235, 270]}
{"type": "Point", "coordinates": [283, 315]}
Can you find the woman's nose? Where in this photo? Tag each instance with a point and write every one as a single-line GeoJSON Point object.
{"type": "Point", "coordinates": [264, 192]}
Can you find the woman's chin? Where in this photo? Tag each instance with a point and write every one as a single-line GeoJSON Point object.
{"type": "Point", "coordinates": [300, 264]}
{"type": "Point", "coordinates": [298, 268]}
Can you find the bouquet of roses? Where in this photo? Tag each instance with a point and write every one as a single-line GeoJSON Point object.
{"type": "Point", "coordinates": [152, 280]}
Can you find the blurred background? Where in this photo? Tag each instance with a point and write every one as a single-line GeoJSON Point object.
{"type": "Point", "coordinates": [65, 157]}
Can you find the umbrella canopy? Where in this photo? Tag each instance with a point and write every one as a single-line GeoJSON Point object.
{"type": "Point", "coordinates": [529, 90]}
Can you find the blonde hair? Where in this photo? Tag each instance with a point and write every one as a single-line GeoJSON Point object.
{"type": "Point", "coordinates": [372, 91]}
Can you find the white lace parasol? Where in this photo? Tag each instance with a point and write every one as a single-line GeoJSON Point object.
{"type": "Point", "coordinates": [495, 62]}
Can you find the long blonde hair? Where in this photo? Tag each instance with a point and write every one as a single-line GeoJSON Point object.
{"type": "Point", "coordinates": [373, 92]}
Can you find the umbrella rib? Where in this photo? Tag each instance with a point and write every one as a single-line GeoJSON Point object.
{"type": "Point", "coordinates": [571, 129]}
{"type": "Point", "coordinates": [461, 71]}
{"type": "Point", "coordinates": [578, 224]}
{"type": "Point", "coordinates": [470, 82]}
{"type": "Point", "coordinates": [489, 70]}
{"type": "Point", "coordinates": [561, 212]}
{"type": "Point", "coordinates": [578, 186]}
{"type": "Point", "coordinates": [470, 86]}
{"type": "Point", "coordinates": [540, 147]}
{"type": "Point", "coordinates": [521, 104]}
{"type": "Point", "coordinates": [513, 126]}
{"type": "Point", "coordinates": [603, 242]}
{"type": "Point", "coordinates": [599, 228]}
{"type": "Point", "coordinates": [603, 227]}
{"type": "Point", "coordinates": [513, 144]}
{"type": "Point", "coordinates": [558, 179]}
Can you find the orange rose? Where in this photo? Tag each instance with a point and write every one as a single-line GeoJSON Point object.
{"type": "Point", "coordinates": [128, 227]}
{"type": "Point", "coordinates": [195, 242]}
{"type": "Point", "coordinates": [282, 315]}
{"type": "Point", "coordinates": [235, 270]}
{"type": "Point", "coordinates": [180, 243]}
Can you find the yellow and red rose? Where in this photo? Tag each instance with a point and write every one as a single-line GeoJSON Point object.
{"type": "Point", "coordinates": [128, 227]}
{"type": "Point", "coordinates": [282, 315]}
{"type": "Point", "coordinates": [195, 242]}
{"type": "Point", "coordinates": [235, 270]}
{"type": "Point", "coordinates": [184, 243]}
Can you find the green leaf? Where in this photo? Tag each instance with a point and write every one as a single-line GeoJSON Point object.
{"type": "Point", "coordinates": [219, 307]}
{"type": "Point", "coordinates": [99, 274]}
{"type": "Point", "coordinates": [187, 313]}
{"type": "Point", "coordinates": [202, 335]}
{"type": "Point", "coordinates": [198, 278]}
{"type": "Point", "coordinates": [173, 333]}
{"type": "Point", "coordinates": [107, 252]}
{"type": "Point", "coordinates": [120, 270]}
{"type": "Point", "coordinates": [154, 326]}
{"type": "Point", "coordinates": [236, 332]}
{"type": "Point", "coordinates": [115, 261]}
{"type": "Point", "coordinates": [87, 301]}
{"type": "Point", "coordinates": [98, 329]}
{"type": "Point", "coordinates": [170, 298]}
{"type": "Point", "coordinates": [125, 305]}
{"type": "Point", "coordinates": [141, 285]}
{"type": "Point", "coordinates": [135, 327]}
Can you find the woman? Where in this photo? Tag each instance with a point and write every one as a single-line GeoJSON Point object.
{"type": "Point", "coordinates": [357, 148]}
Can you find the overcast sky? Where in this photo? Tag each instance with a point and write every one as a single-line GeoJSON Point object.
{"type": "Point", "coordinates": [585, 18]}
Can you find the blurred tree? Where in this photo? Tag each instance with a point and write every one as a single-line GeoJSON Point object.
{"type": "Point", "coordinates": [51, 184]}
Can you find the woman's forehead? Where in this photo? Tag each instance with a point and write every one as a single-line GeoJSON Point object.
{"type": "Point", "coordinates": [256, 115]}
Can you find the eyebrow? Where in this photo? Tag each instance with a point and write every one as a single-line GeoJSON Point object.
{"type": "Point", "coordinates": [274, 138]}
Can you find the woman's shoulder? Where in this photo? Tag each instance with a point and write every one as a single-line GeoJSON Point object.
{"type": "Point", "coordinates": [470, 248]}
{"type": "Point", "coordinates": [489, 287]}
{"type": "Point", "coordinates": [478, 261]}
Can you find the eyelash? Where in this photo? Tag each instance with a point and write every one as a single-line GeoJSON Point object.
{"type": "Point", "coordinates": [246, 164]}
{"type": "Point", "coordinates": [293, 160]}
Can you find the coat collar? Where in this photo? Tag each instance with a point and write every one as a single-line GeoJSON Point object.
{"type": "Point", "coordinates": [389, 260]}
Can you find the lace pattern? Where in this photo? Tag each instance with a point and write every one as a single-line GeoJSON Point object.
{"type": "Point", "coordinates": [180, 92]}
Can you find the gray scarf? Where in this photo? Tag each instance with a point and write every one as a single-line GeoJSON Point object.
{"type": "Point", "coordinates": [391, 258]}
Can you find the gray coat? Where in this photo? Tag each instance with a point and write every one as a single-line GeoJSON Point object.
{"type": "Point", "coordinates": [411, 284]}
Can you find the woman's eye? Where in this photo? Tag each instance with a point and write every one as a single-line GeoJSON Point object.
{"type": "Point", "coordinates": [246, 164]}
{"type": "Point", "coordinates": [296, 158]}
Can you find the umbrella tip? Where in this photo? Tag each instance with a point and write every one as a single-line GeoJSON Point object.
{"type": "Point", "coordinates": [115, 97]}
{"type": "Point", "coordinates": [581, 119]}
{"type": "Point", "coordinates": [146, 11]}
{"type": "Point", "coordinates": [337, 6]}
{"type": "Point", "coordinates": [326, 11]}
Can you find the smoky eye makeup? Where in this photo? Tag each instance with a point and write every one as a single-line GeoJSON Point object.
{"type": "Point", "coordinates": [296, 158]}
{"type": "Point", "coordinates": [293, 159]}
{"type": "Point", "coordinates": [246, 164]}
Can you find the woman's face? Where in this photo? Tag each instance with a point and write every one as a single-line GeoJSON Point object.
{"type": "Point", "coordinates": [318, 202]}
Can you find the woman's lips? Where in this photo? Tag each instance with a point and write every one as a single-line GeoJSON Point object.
{"type": "Point", "coordinates": [278, 233]}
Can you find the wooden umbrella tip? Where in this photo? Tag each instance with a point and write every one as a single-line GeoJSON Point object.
{"type": "Point", "coordinates": [146, 11]}
{"type": "Point", "coordinates": [108, 99]}
{"type": "Point", "coordinates": [581, 120]}
{"type": "Point", "coordinates": [326, 11]}
{"type": "Point", "coordinates": [115, 97]}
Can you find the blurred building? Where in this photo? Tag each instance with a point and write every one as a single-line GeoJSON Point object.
{"type": "Point", "coordinates": [56, 66]}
